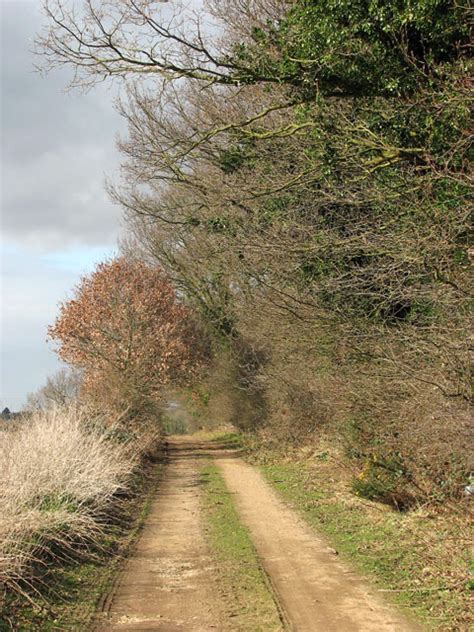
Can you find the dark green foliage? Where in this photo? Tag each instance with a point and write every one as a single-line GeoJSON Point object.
{"type": "Point", "coordinates": [356, 48]}
{"type": "Point", "coordinates": [384, 478]}
{"type": "Point", "coordinates": [235, 156]}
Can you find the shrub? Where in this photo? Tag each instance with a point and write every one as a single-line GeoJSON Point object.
{"type": "Point", "coordinates": [384, 479]}
{"type": "Point", "coordinates": [59, 475]}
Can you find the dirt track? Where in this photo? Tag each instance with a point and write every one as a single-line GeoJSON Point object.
{"type": "Point", "coordinates": [169, 584]}
{"type": "Point", "coordinates": [316, 591]}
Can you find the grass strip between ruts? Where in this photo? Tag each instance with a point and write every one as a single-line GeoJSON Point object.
{"type": "Point", "coordinates": [242, 581]}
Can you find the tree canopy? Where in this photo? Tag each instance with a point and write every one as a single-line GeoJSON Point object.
{"type": "Point", "coordinates": [302, 172]}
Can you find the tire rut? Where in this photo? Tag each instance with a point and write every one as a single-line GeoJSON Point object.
{"type": "Point", "coordinates": [169, 583]}
{"type": "Point", "coordinates": [317, 592]}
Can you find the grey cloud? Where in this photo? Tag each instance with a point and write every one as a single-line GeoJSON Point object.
{"type": "Point", "coordinates": [56, 217]}
{"type": "Point", "coordinates": [56, 146]}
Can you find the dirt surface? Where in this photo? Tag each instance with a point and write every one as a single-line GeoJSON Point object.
{"type": "Point", "coordinates": [169, 582]}
{"type": "Point", "coordinates": [316, 591]}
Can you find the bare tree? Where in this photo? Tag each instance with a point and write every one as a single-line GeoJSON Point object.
{"type": "Point", "coordinates": [320, 227]}
{"type": "Point", "coordinates": [122, 39]}
{"type": "Point", "coordinates": [61, 389]}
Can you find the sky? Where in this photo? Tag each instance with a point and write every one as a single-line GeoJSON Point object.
{"type": "Point", "coordinates": [57, 148]}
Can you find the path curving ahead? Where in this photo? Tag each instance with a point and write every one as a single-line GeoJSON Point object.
{"type": "Point", "coordinates": [169, 582]}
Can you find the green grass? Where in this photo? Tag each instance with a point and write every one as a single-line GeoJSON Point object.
{"type": "Point", "coordinates": [243, 583]}
{"type": "Point", "coordinates": [68, 600]}
{"type": "Point", "coordinates": [66, 595]}
{"type": "Point", "coordinates": [420, 559]}
{"type": "Point", "coordinates": [228, 440]}
{"type": "Point", "coordinates": [231, 439]}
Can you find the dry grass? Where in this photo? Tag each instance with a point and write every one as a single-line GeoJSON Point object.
{"type": "Point", "coordinates": [59, 474]}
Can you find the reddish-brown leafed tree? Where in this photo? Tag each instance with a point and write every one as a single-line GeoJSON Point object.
{"type": "Point", "coordinates": [126, 324]}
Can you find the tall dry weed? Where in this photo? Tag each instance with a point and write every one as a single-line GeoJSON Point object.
{"type": "Point", "coordinates": [59, 473]}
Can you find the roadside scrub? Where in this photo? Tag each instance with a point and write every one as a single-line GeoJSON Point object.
{"type": "Point", "coordinates": [421, 559]}
{"type": "Point", "coordinates": [243, 583]}
{"type": "Point", "coordinates": [65, 482]}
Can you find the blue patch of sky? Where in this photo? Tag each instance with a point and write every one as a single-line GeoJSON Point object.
{"type": "Point", "coordinates": [33, 286]}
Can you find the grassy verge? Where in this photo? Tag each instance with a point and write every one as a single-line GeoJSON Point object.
{"type": "Point", "coordinates": [68, 601]}
{"type": "Point", "coordinates": [220, 435]}
{"type": "Point", "coordinates": [231, 440]}
{"type": "Point", "coordinates": [70, 591]}
{"type": "Point", "coordinates": [418, 559]}
{"type": "Point", "coordinates": [243, 583]}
